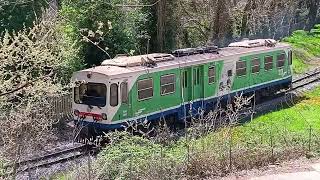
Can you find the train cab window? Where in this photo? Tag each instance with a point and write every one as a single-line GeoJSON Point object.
{"type": "Point", "coordinates": [167, 84]}
{"type": "Point", "coordinates": [255, 65]}
{"type": "Point", "coordinates": [281, 58]}
{"type": "Point", "coordinates": [93, 94]}
{"type": "Point", "coordinates": [268, 62]}
{"type": "Point", "coordinates": [145, 89]}
{"type": "Point", "coordinates": [124, 92]}
{"type": "Point", "coordinates": [241, 68]}
{"type": "Point", "coordinates": [212, 74]}
{"type": "Point", "coordinates": [114, 95]}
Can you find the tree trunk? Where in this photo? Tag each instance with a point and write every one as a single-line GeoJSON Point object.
{"type": "Point", "coordinates": [161, 17]}
{"type": "Point", "coordinates": [312, 6]}
{"type": "Point", "coordinates": [244, 25]}
{"type": "Point", "coordinates": [221, 23]}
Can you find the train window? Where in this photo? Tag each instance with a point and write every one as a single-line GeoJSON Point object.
{"type": "Point", "coordinates": [268, 62]}
{"type": "Point", "coordinates": [281, 58]}
{"type": "Point", "coordinates": [114, 95]}
{"type": "Point", "coordinates": [290, 57]}
{"type": "Point", "coordinates": [145, 89]}
{"type": "Point", "coordinates": [230, 73]}
{"type": "Point", "coordinates": [124, 92]}
{"type": "Point", "coordinates": [93, 94]}
{"type": "Point", "coordinates": [196, 76]}
{"type": "Point", "coordinates": [255, 65]}
{"type": "Point", "coordinates": [212, 74]}
{"type": "Point", "coordinates": [185, 79]}
{"type": "Point", "coordinates": [241, 68]}
{"type": "Point", "coordinates": [167, 83]}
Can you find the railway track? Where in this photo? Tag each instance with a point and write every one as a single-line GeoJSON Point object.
{"type": "Point", "coordinates": [308, 78]}
{"type": "Point", "coordinates": [59, 155]}
{"type": "Point", "coordinates": [287, 96]}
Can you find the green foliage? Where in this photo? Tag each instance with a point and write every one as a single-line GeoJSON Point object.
{"type": "Point", "coordinates": [301, 58]}
{"type": "Point", "coordinates": [117, 29]}
{"type": "Point", "coordinates": [125, 154]}
{"type": "Point", "coordinates": [296, 119]}
{"type": "Point", "coordinates": [37, 58]}
{"type": "Point", "coordinates": [70, 54]}
{"type": "Point", "coordinates": [35, 66]}
{"type": "Point", "coordinates": [15, 14]}
{"type": "Point", "coordinates": [306, 46]}
{"type": "Point", "coordinates": [316, 30]}
{"type": "Point", "coordinates": [2, 169]}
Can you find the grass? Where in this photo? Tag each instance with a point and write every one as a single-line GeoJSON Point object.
{"type": "Point", "coordinates": [306, 47]}
{"type": "Point", "coordinates": [297, 119]}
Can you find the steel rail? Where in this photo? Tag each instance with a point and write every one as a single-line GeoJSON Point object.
{"type": "Point", "coordinates": [54, 157]}
{"type": "Point", "coordinates": [308, 75]}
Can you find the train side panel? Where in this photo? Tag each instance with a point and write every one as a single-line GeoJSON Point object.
{"type": "Point", "coordinates": [265, 75]}
{"type": "Point", "coordinates": [202, 93]}
{"type": "Point", "coordinates": [186, 89]}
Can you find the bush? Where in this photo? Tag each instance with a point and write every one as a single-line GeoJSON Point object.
{"type": "Point", "coordinates": [35, 65]}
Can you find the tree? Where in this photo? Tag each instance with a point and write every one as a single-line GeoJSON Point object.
{"type": "Point", "coordinates": [34, 65]}
{"type": "Point", "coordinates": [313, 7]}
{"type": "Point", "coordinates": [108, 25]}
{"type": "Point", "coordinates": [221, 21]}
{"type": "Point", "coordinates": [15, 14]}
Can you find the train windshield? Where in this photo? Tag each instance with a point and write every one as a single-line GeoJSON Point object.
{"type": "Point", "coordinates": [93, 94]}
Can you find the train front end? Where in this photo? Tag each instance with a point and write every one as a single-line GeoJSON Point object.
{"type": "Point", "coordinates": [90, 98]}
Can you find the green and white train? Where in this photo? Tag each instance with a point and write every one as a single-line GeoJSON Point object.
{"type": "Point", "coordinates": [149, 87]}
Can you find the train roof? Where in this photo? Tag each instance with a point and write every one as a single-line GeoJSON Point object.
{"type": "Point", "coordinates": [132, 64]}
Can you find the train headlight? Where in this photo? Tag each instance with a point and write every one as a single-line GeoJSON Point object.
{"type": "Point", "coordinates": [76, 112]}
{"type": "Point", "coordinates": [104, 116]}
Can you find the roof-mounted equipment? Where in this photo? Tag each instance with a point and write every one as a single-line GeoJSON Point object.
{"type": "Point", "coordinates": [184, 52]}
{"type": "Point", "coordinates": [207, 49]}
{"type": "Point", "coordinates": [254, 43]}
{"type": "Point", "coordinates": [192, 51]}
{"type": "Point", "coordinates": [149, 60]}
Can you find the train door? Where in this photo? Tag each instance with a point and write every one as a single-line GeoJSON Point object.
{"type": "Point", "coordinates": [186, 82]}
{"type": "Point", "coordinates": [197, 82]}
{"type": "Point", "coordinates": [119, 106]}
{"type": "Point", "coordinates": [225, 83]}
{"type": "Point", "coordinates": [192, 83]}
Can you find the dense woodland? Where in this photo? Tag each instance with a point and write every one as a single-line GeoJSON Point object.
{"type": "Point", "coordinates": [120, 26]}
{"type": "Point", "coordinates": [42, 42]}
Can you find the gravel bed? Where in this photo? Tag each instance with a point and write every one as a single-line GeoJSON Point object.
{"type": "Point", "coordinates": [55, 170]}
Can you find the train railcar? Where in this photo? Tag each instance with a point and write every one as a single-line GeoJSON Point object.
{"type": "Point", "coordinates": [148, 87]}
